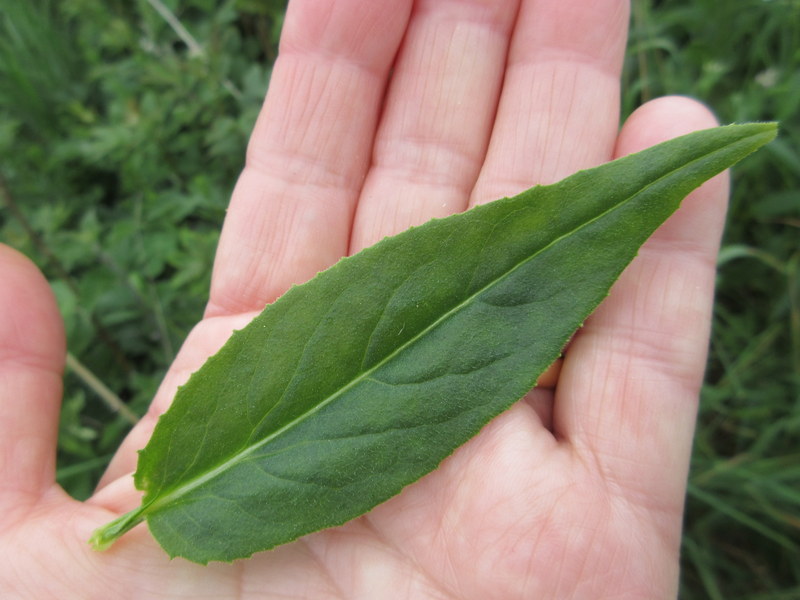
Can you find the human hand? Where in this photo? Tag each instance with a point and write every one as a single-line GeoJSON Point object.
{"type": "Point", "coordinates": [381, 116]}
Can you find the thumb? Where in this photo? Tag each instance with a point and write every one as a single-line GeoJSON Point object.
{"type": "Point", "coordinates": [32, 350]}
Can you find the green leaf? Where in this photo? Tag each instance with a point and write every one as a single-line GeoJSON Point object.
{"type": "Point", "coordinates": [357, 383]}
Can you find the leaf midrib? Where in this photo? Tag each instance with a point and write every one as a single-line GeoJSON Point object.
{"type": "Point", "coordinates": [198, 481]}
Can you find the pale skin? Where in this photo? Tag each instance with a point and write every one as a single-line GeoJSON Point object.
{"type": "Point", "coordinates": [380, 115]}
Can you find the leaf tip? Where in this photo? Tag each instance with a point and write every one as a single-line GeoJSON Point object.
{"type": "Point", "coordinates": [765, 131]}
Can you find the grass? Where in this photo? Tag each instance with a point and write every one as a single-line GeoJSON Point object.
{"type": "Point", "coordinates": [110, 114]}
{"type": "Point", "coordinates": [743, 514]}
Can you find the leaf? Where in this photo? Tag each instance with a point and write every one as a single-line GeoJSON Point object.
{"type": "Point", "coordinates": [359, 382]}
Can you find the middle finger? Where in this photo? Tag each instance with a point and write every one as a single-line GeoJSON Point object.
{"type": "Point", "coordinates": [559, 110]}
{"type": "Point", "coordinates": [437, 117]}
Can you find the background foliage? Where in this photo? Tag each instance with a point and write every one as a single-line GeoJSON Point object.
{"type": "Point", "coordinates": [122, 130]}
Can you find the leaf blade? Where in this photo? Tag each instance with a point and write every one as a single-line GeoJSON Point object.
{"type": "Point", "coordinates": [447, 325]}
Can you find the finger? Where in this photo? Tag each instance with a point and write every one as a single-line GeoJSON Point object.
{"type": "Point", "coordinates": [292, 207]}
{"type": "Point", "coordinates": [32, 351]}
{"type": "Point", "coordinates": [628, 390]}
{"type": "Point", "coordinates": [559, 107]}
{"type": "Point", "coordinates": [437, 118]}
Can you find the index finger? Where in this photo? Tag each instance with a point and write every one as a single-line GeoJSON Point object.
{"type": "Point", "coordinates": [292, 207]}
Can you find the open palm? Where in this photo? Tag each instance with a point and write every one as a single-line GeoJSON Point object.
{"type": "Point", "coordinates": [381, 115]}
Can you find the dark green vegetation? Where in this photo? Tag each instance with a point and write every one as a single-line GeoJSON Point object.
{"type": "Point", "coordinates": [742, 58]}
{"type": "Point", "coordinates": [359, 382]}
{"type": "Point", "coordinates": [121, 141]}
{"type": "Point", "coordinates": [120, 145]}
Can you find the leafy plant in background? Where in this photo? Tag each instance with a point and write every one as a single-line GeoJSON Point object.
{"type": "Point", "coordinates": [109, 124]}
{"type": "Point", "coordinates": [110, 114]}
